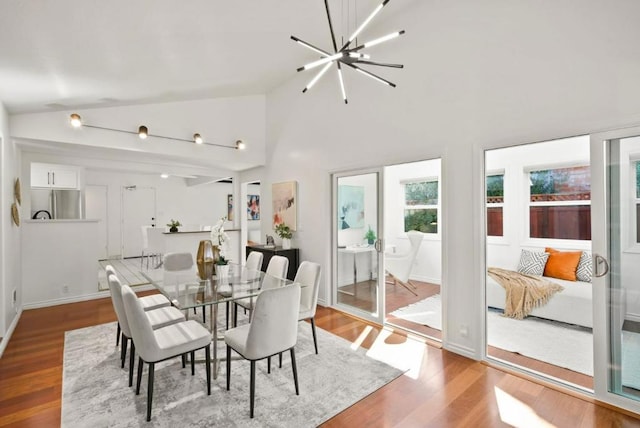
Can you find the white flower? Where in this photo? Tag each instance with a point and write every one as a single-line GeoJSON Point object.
{"type": "Point", "coordinates": [218, 236]}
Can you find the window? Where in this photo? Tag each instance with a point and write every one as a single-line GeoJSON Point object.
{"type": "Point", "coordinates": [637, 201]}
{"type": "Point", "coordinates": [560, 203]}
{"type": "Point", "coordinates": [495, 204]}
{"type": "Point", "coordinates": [421, 206]}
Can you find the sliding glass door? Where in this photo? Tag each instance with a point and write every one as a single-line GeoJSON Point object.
{"type": "Point", "coordinates": [357, 255]}
{"type": "Point", "coordinates": [617, 265]}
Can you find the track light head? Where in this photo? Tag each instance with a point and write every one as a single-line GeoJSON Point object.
{"type": "Point", "coordinates": [197, 138]}
{"type": "Point", "coordinates": [240, 145]}
{"type": "Point", "coordinates": [143, 132]}
{"type": "Point", "coordinates": [76, 120]}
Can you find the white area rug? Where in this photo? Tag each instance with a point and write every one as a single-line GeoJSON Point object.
{"type": "Point", "coordinates": [556, 343]}
{"type": "Point", "coordinates": [95, 391]}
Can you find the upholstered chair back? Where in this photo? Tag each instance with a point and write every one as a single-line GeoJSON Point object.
{"type": "Point", "coordinates": [110, 270]}
{"type": "Point", "coordinates": [308, 276]}
{"type": "Point", "coordinates": [276, 273]}
{"type": "Point", "coordinates": [178, 261]}
{"type": "Point", "coordinates": [141, 330]}
{"type": "Point", "coordinates": [115, 287]}
{"type": "Point", "coordinates": [274, 323]}
{"type": "Point", "coordinates": [254, 260]}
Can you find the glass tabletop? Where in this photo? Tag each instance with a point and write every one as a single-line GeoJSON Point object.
{"type": "Point", "coordinates": [186, 290]}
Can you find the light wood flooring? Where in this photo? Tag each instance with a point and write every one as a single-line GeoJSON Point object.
{"type": "Point", "coordinates": [449, 391]}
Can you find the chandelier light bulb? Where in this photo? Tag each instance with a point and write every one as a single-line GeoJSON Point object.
{"type": "Point", "coordinates": [76, 120]}
{"type": "Point", "coordinates": [143, 132]}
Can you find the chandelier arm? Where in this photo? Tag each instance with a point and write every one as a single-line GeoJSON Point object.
{"type": "Point", "coordinates": [379, 64]}
{"type": "Point", "coordinates": [368, 73]}
{"type": "Point", "coordinates": [377, 41]}
{"type": "Point", "coordinates": [320, 62]}
{"type": "Point", "coordinates": [365, 23]}
{"type": "Point", "coordinates": [333, 37]}
{"type": "Point", "coordinates": [316, 78]}
{"type": "Point", "coordinates": [344, 92]}
{"type": "Point", "coordinates": [310, 46]}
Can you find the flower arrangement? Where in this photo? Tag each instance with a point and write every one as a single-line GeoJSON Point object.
{"type": "Point", "coordinates": [219, 238]}
{"type": "Point", "coordinates": [173, 225]}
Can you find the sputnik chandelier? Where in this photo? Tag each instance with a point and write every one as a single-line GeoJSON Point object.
{"type": "Point", "coordinates": [349, 56]}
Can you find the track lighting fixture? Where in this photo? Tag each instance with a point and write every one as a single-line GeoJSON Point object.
{"type": "Point", "coordinates": [348, 56]}
{"type": "Point", "coordinates": [143, 133]}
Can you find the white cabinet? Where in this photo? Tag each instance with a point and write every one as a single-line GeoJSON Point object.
{"type": "Point", "coordinates": [54, 176]}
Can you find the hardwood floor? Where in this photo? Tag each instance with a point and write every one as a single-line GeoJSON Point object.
{"type": "Point", "coordinates": [449, 390]}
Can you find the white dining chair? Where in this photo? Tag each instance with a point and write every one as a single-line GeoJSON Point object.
{"type": "Point", "coordinates": [158, 318]}
{"type": "Point", "coordinates": [149, 303]}
{"type": "Point", "coordinates": [176, 266]}
{"type": "Point", "coordinates": [164, 343]}
{"type": "Point", "coordinates": [254, 260]}
{"type": "Point", "coordinates": [276, 272]}
{"type": "Point", "coordinates": [273, 329]}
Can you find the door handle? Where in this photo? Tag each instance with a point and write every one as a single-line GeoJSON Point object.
{"type": "Point", "coordinates": [378, 245]}
{"type": "Point", "coordinates": [48, 178]}
{"type": "Point", "coordinates": [599, 260]}
{"type": "Point", "coordinates": [53, 174]}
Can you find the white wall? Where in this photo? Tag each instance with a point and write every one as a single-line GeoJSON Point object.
{"type": "Point", "coordinates": [428, 264]}
{"type": "Point", "coordinates": [10, 275]}
{"type": "Point", "coordinates": [477, 75]}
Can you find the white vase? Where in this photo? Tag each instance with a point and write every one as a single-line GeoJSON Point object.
{"type": "Point", "coordinates": [286, 243]}
{"type": "Point", "coordinates": [222, 271]}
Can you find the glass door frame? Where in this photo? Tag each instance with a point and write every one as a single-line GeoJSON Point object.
{"type": "Point", "coordinates": [379, 316]}
{"type": "Point", "coordinates": [603, 312]}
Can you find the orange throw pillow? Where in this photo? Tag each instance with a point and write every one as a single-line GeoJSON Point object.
{"type": "Point", "coordinates": [562, 264]}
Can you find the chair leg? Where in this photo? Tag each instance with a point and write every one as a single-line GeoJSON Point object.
{"type": "Point", "coordinates": [252, 388]}
{"type": "Point", "coordinates": [235, 315]}
{"type": "Point", "coordinates": [228, 365]}
{"type": "Point", "coordinates": [313, 330]}
{"type": "Point", "coordinates": [123, 352]}
{"type": "Point", "coordinates": [150, 391]}
{"type": "Point", "coordinates": [204, 315]}
{"type": "Point", "coordinates": [280, 360]}
{"type": "Point", "coordinates": [207, 352]}
{"type": "Point", "coordinates": [132, 360]}
{"type": "Point", "coordinates": [118, 335]}
{"type": "Point", "coordinates": [193, 363]}
{"type": "Point", "coordinates": [295, 370]}
{"type": "Point", "coordinates": [227, 314]}
{"type": "Point", "coordinates": [268, 364]}
{"type": "Point", "coordinates": [139, 380]}
{"type": "Point", "coordinates": [184, 360]}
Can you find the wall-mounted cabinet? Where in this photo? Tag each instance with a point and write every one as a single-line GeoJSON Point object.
{"type": "Point", "coordinates": [54, 176]}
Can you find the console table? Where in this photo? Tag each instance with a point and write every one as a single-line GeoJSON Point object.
{"type": "Point", "coordinates": [291, 254]}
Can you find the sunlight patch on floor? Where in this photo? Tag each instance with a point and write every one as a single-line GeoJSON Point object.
{"type": "Point", "coordinates": [515, 413]}
{"type": "Point", "coordinates": [358, 342]}
{"type": "Point", "coordinates": [406, 355]}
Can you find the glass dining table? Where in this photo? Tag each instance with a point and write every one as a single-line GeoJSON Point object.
{"type": "Point", "coordinates": [187, 291]}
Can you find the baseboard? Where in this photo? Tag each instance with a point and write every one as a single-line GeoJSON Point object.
{"type": "Point", "coordinates": [9, 332]}
{"type": "Point", "coordinates": [460, 350]}
{"type": "Point", "coordinates": [632, 317]}
{"type": "Point", "coordinates": [65, 300]}
{"type": "Point", "coordinates": [426, 279]}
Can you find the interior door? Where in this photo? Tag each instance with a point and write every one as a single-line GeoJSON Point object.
{"type": "Point", "coordinates": [96, 208]}
{"type": "Point", "coordinates": [138, 209]}
{"type": "Point", "coordinates": [616, 244]}
{"type": "Point", "coordinates": [357, 264]}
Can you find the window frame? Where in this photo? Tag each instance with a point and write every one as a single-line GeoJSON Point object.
{"type": "Point", "coordinates": [437, 207]}
{"type": "Point", "coordinates": [499, 238]}
{"type": "Point", "coordinates": [559, 242]}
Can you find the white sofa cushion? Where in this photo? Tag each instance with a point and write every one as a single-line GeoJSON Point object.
{"type": "Point", "coordinates": [572, 305]}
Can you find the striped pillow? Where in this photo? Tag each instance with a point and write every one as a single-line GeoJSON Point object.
{"type": "Point", "coordinates": [532, 262]}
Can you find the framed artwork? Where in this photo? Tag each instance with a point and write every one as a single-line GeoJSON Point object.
{"type": "Point", "coordinates": [350, 207]}
{"type": "Point", "coordinates": [285, 199]}
{"type": "Point", "coordinates": [253, 207]}
{"type": "Point", "coordinates": [230, 207]}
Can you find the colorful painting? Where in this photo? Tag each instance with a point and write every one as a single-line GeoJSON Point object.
{"type": "Point", "coordinates": [285, 199]}
{"type": "Point", "coordinates": [230, 207]}
{"type": "Point", "coordinates": [350, 207]}
{"type": "Point", "coordinates": [253, 207]}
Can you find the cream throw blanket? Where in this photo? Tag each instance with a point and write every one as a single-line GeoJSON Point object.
{"type": "Point", "coordinates": [524, 292]}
